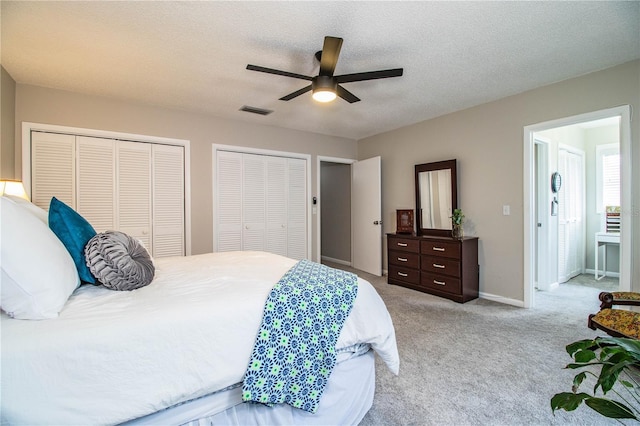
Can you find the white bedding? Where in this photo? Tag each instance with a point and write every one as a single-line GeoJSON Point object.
{"type": "Point", "coordinates": [114, 356]}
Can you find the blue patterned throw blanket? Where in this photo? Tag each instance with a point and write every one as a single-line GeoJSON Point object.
{"type": "Point", "coordinates": [294, 352]}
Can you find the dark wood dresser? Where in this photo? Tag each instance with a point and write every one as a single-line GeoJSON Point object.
{"type": "Point", "coordinates": [442, 266]}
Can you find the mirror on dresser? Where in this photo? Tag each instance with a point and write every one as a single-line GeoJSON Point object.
{"type": "Point", "coordinates": [436, 197]}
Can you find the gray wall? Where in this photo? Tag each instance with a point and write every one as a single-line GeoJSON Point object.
{"type": "Point", "coordinates": [7, 124]}
{"type": "Point", "coordinates": [49, 106]}
{"type": "Point", "coordinates": [487, 141]}
{"type": "Point", "coordinates": [335, 207]}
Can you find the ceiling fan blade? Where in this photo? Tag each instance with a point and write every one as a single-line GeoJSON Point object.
{"type": "Point", "coordinates": [296, 93]}
{"type": "Point", "coordinates": [330, 53]}
{"type": "Point", "coordinates": [278, 72]}
{"type": "Point", "coordinates": [347, 95]}
{"type": "Point", "coordinates": [371, 75]}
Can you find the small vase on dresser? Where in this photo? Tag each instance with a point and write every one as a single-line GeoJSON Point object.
{"type": "Point", "coordinates": [443, 266]}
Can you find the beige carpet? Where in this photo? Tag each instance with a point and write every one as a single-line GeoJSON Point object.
{"type": "Point", "coordinates": [480, 363]}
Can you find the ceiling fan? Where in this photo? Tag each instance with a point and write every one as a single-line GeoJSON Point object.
{"type": "Point", "coordinates": [326, 86]}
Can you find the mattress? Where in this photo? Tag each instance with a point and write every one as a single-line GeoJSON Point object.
{"type": "Point", "coordinates": [111, 357]}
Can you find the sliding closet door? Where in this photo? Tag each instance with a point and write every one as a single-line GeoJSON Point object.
{"type": "Point", "coordinates": [95, 176]}
{"type": "Point", "coordinates": [53, 168]}
{"type": "Point", "coordinates": [134, 187]}
{"type": "Point", "coordinates": [260, 204]}
{"type": "Point", "coordinates": [134, 190]}
{"type": "Point", "coordinates": [276, 205]}
{"type": "Point", "coordinates": [253, 202]}
{"type": "Point", "coordinates": [168, 200]}
{"type": "Point", "coordinates": [297, 209]}
{"type": "Point", "coordinates": [227, 201]}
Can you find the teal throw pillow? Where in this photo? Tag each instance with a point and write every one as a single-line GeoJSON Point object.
{"type": "Point", "coordinates": [75, 232]}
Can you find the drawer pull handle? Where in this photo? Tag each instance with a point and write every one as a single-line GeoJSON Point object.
{"type": "Point", "coordinates": [438, 248]}
{"type": "Point", "coordinates": [402, 244]}
{"type": "Point", "coordinates": [437, 265]}
{"type": "Point", "coordinates": [402, 259]}
{"type": "Point", "coordinates": [402, 274]}
{"type": "Point", "coordinates": [439, 282]}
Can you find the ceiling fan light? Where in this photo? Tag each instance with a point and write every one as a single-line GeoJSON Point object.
{"type": "Point", "coordinates": [324, 95]}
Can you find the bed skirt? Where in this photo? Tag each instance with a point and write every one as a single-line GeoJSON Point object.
{"type": "Point", "coordinates": [346, 399]}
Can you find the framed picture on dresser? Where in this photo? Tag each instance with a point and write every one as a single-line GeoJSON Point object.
{"type": "Point", "coordinates": [404, 221]}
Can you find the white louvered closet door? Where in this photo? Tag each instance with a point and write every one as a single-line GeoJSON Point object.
{"type": "Point", "coordinates": [276, 205]}
{"type": "Point", "coordinates": [53, 168]}
{"type": "Point", "coordinates": [95, 177]}
{"type": "Point", "coordinates": [297, 208]}
{"type": "Point", "coordinates": [168, 200]}
{"type": "Point", "coordinates": [228, 201]}
{"type": "Point", "coordinates": [134, 190]}
{"type": "Point", "coordinates": [253, 202]}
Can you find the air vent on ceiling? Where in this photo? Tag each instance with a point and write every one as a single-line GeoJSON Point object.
{"type": "Point", "coordinates": [255, 110]}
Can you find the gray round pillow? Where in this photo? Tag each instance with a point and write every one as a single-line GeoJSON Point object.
{"type": "Point", "coordinates": [119, 261]}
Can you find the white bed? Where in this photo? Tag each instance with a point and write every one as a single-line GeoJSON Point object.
{"type": "Point", "coordinates": [175, 351]}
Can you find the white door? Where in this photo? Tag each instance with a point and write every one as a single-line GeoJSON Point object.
{"type": "Point", "coordinates": [366, 216]}
{"type": "Point", "coordinates": [570, 215]}
{"type": "Point", "coordinates": [133, 183]}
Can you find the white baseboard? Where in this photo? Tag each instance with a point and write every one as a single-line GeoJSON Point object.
{"type": "Point", "coordinates": [609, 274]}
{"type": "Point", "coordinates": [338, 261]}
{"type": "Point", "coordinates": [500, 299]}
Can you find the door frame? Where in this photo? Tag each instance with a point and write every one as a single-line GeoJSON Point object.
{"type": "Point", "coordinates": [626, 248]}
{"type": "Point", "coordinates": [317, 206]}
{"type": "Point", "coordinates": [542, 214]}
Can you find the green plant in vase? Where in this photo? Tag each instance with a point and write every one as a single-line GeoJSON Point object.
{"type": "Point", "coordinates": [457, 218]}
{"type": "Point", "coordinates": [619, 362]}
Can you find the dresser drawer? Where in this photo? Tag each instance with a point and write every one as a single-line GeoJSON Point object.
{"type": "Point", "coordinates": [441, 248]}
{"type": "Point", "coordinates": [441, 265]}
{"type": "Point", "coordinates": [404, 244]}
{"type": "Point", "coordinates": [404, 259]}
{"type": "Point", "coordinates": [411, 276]}
{"type": "Point", "coordinates": [440, 283]}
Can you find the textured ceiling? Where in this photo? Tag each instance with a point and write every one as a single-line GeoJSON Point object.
{"type": "Point", "coordinates": [192, 55]}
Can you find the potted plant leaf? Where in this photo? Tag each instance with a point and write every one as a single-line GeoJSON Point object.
{"type": "Point", "coordinates": [457, 218]}
{"type": "Point", "coordinates": [618, 360]}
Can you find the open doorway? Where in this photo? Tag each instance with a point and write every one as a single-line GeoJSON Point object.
{"type": "Point", "coordinates": [335, 212]}
{"type": "Point", "coordinates": [566, 234]}
{"type": "Point", "coordinates": [348, 213]}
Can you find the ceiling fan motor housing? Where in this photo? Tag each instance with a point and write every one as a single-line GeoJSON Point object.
{"type": "Point", "coordinates": [324, 82]}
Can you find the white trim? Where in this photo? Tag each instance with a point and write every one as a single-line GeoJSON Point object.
{"type": "Point", "coordinates": [338, 261]}
{"type": "Point", "coordinates": [626, 248]}
{"type": "Point", "coordinates": [606, 273]}
{"type": "Point", "coordinates": [500, 299]}
{"type": "Point", "coordinates": [543, 214]}
{"type": "Point", "coordinates": [248, 150]}
{"type": "Point", "coordinates": [28, 127]}
{"type": "Point", "coordinates": [320, 159]}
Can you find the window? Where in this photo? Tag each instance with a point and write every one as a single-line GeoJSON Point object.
{"type": "Point", "coordinates": [607, 176]}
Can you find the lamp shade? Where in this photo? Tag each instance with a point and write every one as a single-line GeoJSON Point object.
{"type": "Point", "coordinates": [324, 88]}
{"type": "Point", "coordinates": [13, 187]}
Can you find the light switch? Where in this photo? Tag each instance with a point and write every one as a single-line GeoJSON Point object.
{"type": "Point", "coordinates": [506, 210]}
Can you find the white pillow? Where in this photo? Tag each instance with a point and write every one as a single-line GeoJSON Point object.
{"type": "Point", "coordinates": [38, 274]}
{"type": "Point", "coordinates": [41, 214]}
